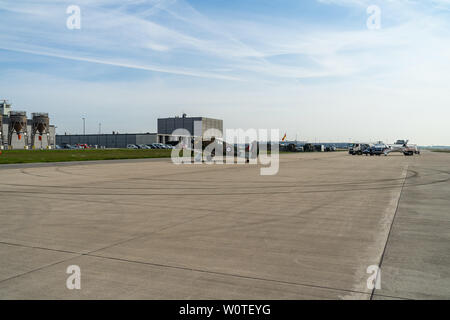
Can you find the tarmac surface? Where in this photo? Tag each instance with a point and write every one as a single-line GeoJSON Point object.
{"type": "Point", "coordinates": [154, 230]}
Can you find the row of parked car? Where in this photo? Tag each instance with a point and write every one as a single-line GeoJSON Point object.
{"type": "Point", "coordinates": [150, 146]}
{"type": "Point", "coordinates": [129, 146]}
{"type": "Point", "coordinates": [72, 146]}
{"type": "Point", "coordinates": [307, 147]}
{"type": "Point", "coordinates": [367, 149]}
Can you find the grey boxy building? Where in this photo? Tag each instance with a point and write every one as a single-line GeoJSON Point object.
{"type": "Point", "coordinates": [166, 127]}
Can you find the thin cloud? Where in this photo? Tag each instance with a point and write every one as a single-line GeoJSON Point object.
{"type": "Point", "coordinates": [123, 64]}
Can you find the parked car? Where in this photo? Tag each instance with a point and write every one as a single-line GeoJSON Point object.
{"type": "Point", "coordinates": [308, 147]}
{"type": "Point", "coordinates": [162, 146]}
{"type": "Point", "coordinates": [379, 149]}
{"type": "Point", "coordinates": [132, 146]}
{"type": "Point", "coordinates": [319, 148]}
{"type": "Point", "coordinates": [367, 151]}
{"type": "Point", "coordinates": [68, 146]}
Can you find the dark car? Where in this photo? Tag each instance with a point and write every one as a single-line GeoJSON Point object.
{"type": "Point", "coordinates": [68, 146]}
{"type": "Point", "coordinates": [377, 150]}
{"type": "Point", "coordinates": [367, 151]}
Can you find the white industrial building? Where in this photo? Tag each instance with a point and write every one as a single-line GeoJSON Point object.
{"type": "Point", "coordinates": [19, 132]}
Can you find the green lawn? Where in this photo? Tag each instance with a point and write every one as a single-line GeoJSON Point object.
{"type": "Point", "coordinates": [30, 156]}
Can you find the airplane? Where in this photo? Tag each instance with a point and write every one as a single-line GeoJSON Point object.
{"type": "Point", "coordinates": [402, 147]}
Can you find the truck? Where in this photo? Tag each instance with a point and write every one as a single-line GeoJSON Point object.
{"type": "Point", "coordinates": [358, 148]}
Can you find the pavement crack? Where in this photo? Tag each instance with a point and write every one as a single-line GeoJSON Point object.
{"type": "Point", "coordinates": [391, 227]}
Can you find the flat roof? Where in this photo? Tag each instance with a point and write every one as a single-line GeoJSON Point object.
{"type": "Point", "coordinates": [189, 118]}
{"type": "Point", "coordinates": [108, 134]}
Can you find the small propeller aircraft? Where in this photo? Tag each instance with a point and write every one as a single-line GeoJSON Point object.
{"type": "Point", "coordinates": [402, 147]}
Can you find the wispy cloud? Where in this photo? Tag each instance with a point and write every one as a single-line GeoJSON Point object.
{"type": "Point", "coordinates": [115, 29]}
{"type": "Point", "coordinates": [232, 53]}
{"type": "Point", "coordinates": [177, 71]}
{"type": "Point", "coordinates": [136, 35]}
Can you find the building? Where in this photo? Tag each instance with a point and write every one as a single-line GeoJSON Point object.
{"type": "Point", "coordinates": [19, 132]}
{"type": "Point", "coordinates": [166, 127]}
{"type": "Point", "coordinates": [5, 108]}
{"type": "Point", "coordinates": [114, 140]}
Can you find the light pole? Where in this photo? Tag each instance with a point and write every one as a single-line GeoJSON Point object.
{"type": "Point", "coordinates": [84, 126]}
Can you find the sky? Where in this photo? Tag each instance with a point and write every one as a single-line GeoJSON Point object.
{"type": "Point", "coordinates": [314, 69]}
